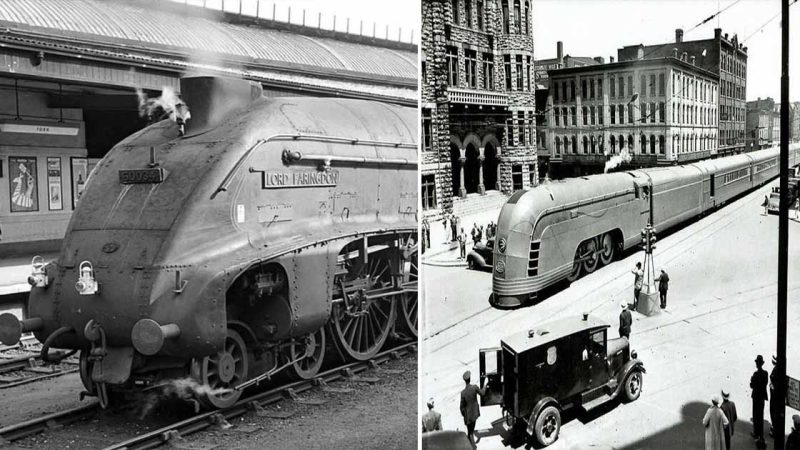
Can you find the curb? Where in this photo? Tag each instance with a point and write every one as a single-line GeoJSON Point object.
{"type": "Point", "coordinates": [440, 263]}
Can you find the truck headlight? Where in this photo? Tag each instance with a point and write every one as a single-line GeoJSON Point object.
{"type": "Point", "coordinates": [500, 267]}
{"type": "Point", "coordinates": [502, 245]}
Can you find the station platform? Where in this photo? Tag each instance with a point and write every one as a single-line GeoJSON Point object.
{"type": "Point", "coordinates": [14, 273]}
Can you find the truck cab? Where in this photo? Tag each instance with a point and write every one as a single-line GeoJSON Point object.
{"type": "Point", "coordinates": [536, 374]}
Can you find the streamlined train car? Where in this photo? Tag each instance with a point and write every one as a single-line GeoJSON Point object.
{"type": "Point", "coordinates": [257, 237]}
{"type": "Point", "coordinates": [567, 228]}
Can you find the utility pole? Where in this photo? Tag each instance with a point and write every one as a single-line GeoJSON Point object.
{"type": "Point", "coordinates": [783, 232]}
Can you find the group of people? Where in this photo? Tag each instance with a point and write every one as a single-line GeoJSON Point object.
{"type": "Point", "coordinates": [625, 318]}
{"type": "Point", "coordinates": [720, 421]}
{"type": "Point", "coordinates": [758, 383]}
{"type": "Point", "coordinates": [470, 410]}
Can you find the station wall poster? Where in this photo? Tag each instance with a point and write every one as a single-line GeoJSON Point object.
{"type": "Point", "coordinates": [54, 184]}
{"type": "Point", "coordinates": [23, 184]}
{"type": "Point", "coordinates": [80, 171]}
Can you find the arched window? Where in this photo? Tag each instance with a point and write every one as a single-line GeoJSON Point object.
{"type": "Point", "coordinates": [564, 113]}
{"type": "Point", "coordinates": [468, 12]}
{"type": "Point", "coordinates": [621, 142]}
{"type": "Point", "coordinates": [557, 118]}
{"type": "Point", "coordinates": [566, 144]}
{"type": "Point", "coordinates": [574, 112]}
{"type": "Point", "coordinates": [594, 145]}
{"type": "Point", "coordinates": [505, 20]}
{"type": "Point", "coordinates": [517, 17]}
{"type": "Point", "coordinates": [527, 19]}
{"type": "Point", "coordinates": [575, 144]}
{"type": "Point", "coordinates": [558, 145]}
{"type": "Point", "coordinates": [585, 114]}
{"type": "Point", "coordinates": [652, 112]}
{"type": "Point", "coordinates": [661, 111]}
{"type": "Point", "coordinates": [630, 114]}
{"type": "Point", "coordinates": [642, 144]}
{"type": "Point", "coordinates": [454, 5]}
{"type": "Point", "coordinates": [592, 112]}
{"type": "Point", "coordinates": [585, 145]}
{"type": "Point", "coordinates": [630, 142]}
{"type": "Point", "coordinates": [661, 149]}
{"type": "Point", "coordinates": [479, 5]}
{"type": "Point", "coordinates": [652, 144]}
{"type": "Point", "coordinates": [613, 144]}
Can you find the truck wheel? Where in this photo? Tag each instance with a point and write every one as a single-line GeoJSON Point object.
{"type": "Point", "coordinates": [633, 385]}
{"type": "Point", "coordinates": [548, 425]}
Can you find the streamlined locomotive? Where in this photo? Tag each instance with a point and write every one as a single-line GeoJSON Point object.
{"type": "Point", "coordinates": [255, 237]}
{"type": "Point", "coordinates": [564, 229]}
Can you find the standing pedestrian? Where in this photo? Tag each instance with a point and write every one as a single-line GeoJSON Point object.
{"type": "Point", "coordinates": [474, 233]}
{"type": "Point", "coordinates": [432, 420]}
{"type": "Point", "coordinates": [462, 244]}
{"type": "Point", "coordinates": [766, 204]}
{"type": "Point", "coordinates": [637, 283]}
{"type": "Point", "coordinates": [490, 230]}
{"type": "Point", "coordinates": [625, 321]}
{"type": "Point", "coordinates": [480, 233]}
{"type": "Point", "coordinates": [663, 286]}
{"type": "Point", "coordinates": [758, 383]}
{"type": "Point", "coordinates": [426, 229]}
{"type": "Point", "coordinates": [715, 422]}
{"type": "Point", "coordinates": [454, 227]}
{"type": "Point", "coordinates": [444, 223]}
{"type": "Point", "coordinates": [470, 409]}
{"type": "Point", "coordinates": [793, 440]}
{"type": "Point", "coordinates": [729, 408]}
{"type": "Point", "coordinates": [775, 403]}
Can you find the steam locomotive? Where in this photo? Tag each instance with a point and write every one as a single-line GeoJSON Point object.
{"type": "Point", "coordinates": [252, 238]}
{"type": "Point", "coordinates": [564, 229]}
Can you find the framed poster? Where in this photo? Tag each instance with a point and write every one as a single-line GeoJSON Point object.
{"type": "Point", "coordinates": [23, 184]}
{"type": "Point", "coordinates": [80, 171]}
{"type": "Point", "coordinates": [54, 184]}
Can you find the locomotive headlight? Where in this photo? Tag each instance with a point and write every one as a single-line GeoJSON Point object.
{"type": "Point", "coordinates": [38, 277]}
{"type": "Point", "coordinates": [500, 267]}
{"type": "Point", "coordinates": [86, 284]}
{"type": "Point", "coordinates": [502, 245]}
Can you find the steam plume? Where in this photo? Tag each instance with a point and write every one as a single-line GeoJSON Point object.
{"type": "Point", "coordinates": [167, 105]}
{"type": "Point", "coordinates": [181, 388]}
{"type": "Point", "coordinates": [616, 160]}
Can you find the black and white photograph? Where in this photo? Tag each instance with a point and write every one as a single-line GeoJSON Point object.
{"type": "Point", "coordinates": [609, 195]}
{"type": "Point", "coordinates": [219, 246]}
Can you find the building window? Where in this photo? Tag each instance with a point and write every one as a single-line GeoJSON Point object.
{"type": "Point", "coordinates": [613, 92]}
{"type": "Point", "coordinates": [558, 145]}
{"type": "Point", "coordinates": [517, 17]}
{"type": "Point", "coordinates": [452, 66]}
{"type": "Point", "coordinates": [653, 112]}
{"type": "Point", "coordinates": [565, 113]}
{"type": "Point", "coordinates": [468, 12]}
{"type": "Point", "coordinates": [600, 89]}
{"type": "Point", "coordinates": [592, 113]}
{"type": "Point", "coordinates": [427, 129]}
{"type": "Point", "coordinates": [630, 141]}
{"type": "Point", "coordinates": [591, 88]}
{"type": "Point", "coordinates": [516, 176]}
{"type": "Point", "coordinates": [584, 113]}
{"type": "Point", "coordinates": [488, 71]}
{"type": "Point", "coordinates": [600, 115]}
{"type": "Point", "coordinates": [454, 5]}
{"type": "Point", "coordinates": [519, 72]}
{"type": "Point", "coordinates": [652, 85]}
{"type": "Point", "coordinates": [556, 117]}
{"type": "Point", "coordinates": [652, 144]}
{"type": "Point", "coordinates": [630, 114]}
{"type": "Point", "coordinates": [564, 92]}
{"type": "Point", "coordinates": [661, 111]}
{"type": "Point", "coordinates": [630, 86]}
{"type": "Point", "coordinates": [621, 86]}
{"type": "Point", "coordinates": [583, 89]}
{"type": "Point", "coordinates": [661, 145]}
{"type": "Point", "coordinates": [428, 192]}
{"type": "Point", "coordinates": [661, 84]}
{"type": "Point", "coordinates": [642, 86]}
{"type": "Point", "coordinates": [555, 91]}
{"type": "Point", "coordinates": [471, 63]}
{"type": "Point", "coordinates": [528, 67]}
{"type": "Point", "coordinates": [511, 130]}
{"type": "Point", "coordinates": [574, 113]}
{"type": "Point", "coordinates": [527, 19]}
{"type": "Point", "coordinates": [621, 110]}
{"type": "Point", "coordinates": [507, 64]}
{"type": "Point", "coordinates": [643, 112]}
{"type": "Point", "coordinates": [479, 7]}
{"type": "Point", "coordinates": [612, 110]}
{"type": "Point", "coordinates": [505, 16]}
{"type": "Point", "coordinates": [642, 144]}
{"type": "Point", "coordinates": [613, 143]}
{"type": "Point", "coordinates": [594, 145]}
{"type": "Point", "coordinates": [575, 144]}
{"type": "Point", "coordinates": [572, 90]}
{"type": "Point", "coordinates": [585, 145]}
{"type": "Point", "coordinates": [532, 171]}
{"type": "Point", "coordinates": [424, 70]}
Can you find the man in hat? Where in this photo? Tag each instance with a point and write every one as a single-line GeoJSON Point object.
{"type": "Point", "coordinates": [758, 383]}
{"type": "Point", "coordinates": [470, 409]}
{"type": "Point", "coordinates": [714, 421]}
{"type": "Point", "coordinates": [775, 403]}
{"type": "Point", "coordinates": [432, 420]}
{"type": "Point", "coordinates": [462, 244]}
{"type": "Point", "coordinates": [663, 286]}
{"type": "Point", "coordinates": [793, 440]}
{"type": "Point", "coordinates": [729, 408]}
{"type": "Point", "coordinates": [625, 321]}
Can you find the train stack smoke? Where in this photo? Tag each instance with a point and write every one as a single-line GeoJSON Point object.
{"type": "Point", "coordinates": [616, 160]}
{"type": "Point", "coordinates": [167, 105]}
{"type": "Point", "coordinates": [181, 388]}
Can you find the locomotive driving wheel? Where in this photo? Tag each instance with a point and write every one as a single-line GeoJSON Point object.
{"type": "Point", "coordinates": [308, 355]}
{"type": "Point", "coordinates": [221, 372]}
{"type": "Point", "coordinates": [408, 299]}
{"type": "Point", "coordinates": [606, 248]}
{"type": "Point", "coordinates": [576, 269]}
{"type": "Point", "coordinates": [365, 314]}
{"type": "Point", "coordinates": [589, 254]}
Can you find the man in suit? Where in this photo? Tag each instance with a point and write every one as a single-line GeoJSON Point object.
{"type": "Point", "coordinates": [625, 321]}
{"type": "Point", "coordinates": [470, 409]}
{"type": "Point", "coordinates": [637, 283]}
{"type": "Point", "coordinates": [729, 408]}
{"type": "Point", "coordinates": [663, 286]}
{"type": "Point", "coordinates": [758, 383]}
{"type": "Point", "coordinates": [432, 420]}
{"type": "Point", "coordinates": [775, 403]}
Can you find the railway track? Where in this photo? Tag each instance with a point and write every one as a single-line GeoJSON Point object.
{"type": "Point", "coordinates": [199, 422]}
{"type": "Point", "coordinates": [27, 368]}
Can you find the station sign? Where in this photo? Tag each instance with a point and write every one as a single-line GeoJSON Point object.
{"type": "Point", "coordinates": [792, 393]}
{"type": "Point", "coordinates": [37, 129]}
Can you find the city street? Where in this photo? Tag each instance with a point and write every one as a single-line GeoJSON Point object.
{"type": "Point", "coordinates": [720, 315]}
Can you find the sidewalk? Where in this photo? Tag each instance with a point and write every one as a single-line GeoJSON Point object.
{"type": "Point", "coordinates": [440, 253]}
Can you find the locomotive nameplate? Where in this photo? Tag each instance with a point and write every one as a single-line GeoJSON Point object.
{"type": "Point", "coordinates": [277, 179]}
{"type": "Point", "coordinates": [141, 176]}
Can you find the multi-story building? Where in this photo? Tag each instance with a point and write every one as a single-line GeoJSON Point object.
{"type": "Point", "coordinates": [794, 122]}
{"type": "Point", "coordinates": [649, 111]}
{"type": "Point", "coordinates": [727, 58]}
{"type": "Point", "coordinates": [775, 128]}
{"type": "Point", "coordinates": [477, 100]}
{"type": "Point", "coordinates": [759, 123]}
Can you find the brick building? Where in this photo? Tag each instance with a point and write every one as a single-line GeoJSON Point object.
{"type": "Point", "coordinates": [727, 58]}
{"type": "Point", "coordinates": [759, 123]}
{"type": "Point", "coordinates": [477, 101]}
{"type": "Point", "coordinates": [656, 111]}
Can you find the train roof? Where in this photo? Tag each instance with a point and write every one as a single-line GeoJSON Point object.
{"type": "Point", "coordinates": [546, 333]}
{"type": "Point", "coordinates": [721, 164]}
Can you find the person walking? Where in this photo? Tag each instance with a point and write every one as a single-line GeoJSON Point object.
{"type": "Point", "coordinates": [470, 409]}
{"type": "Point", "coordinates": [663, 286]}
{"type": "Point", "coordinates": [758, 383]}
{"type": "Point", "coordinates": [625, 321]}
{"type": "Point", "coordinates": [462, 244]}
{"type": "Point", "coordinates": [715, 422]}
{"type": "Point", "coordinates": [793, 440]}
{"type": "Point", "coordinates": [729, 408]}
{"type": "Point", "coordinates": [432, 420]}
{"type": "Point", "coordinates": [637, 283]}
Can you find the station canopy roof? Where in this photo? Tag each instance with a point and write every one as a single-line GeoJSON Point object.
{"type": "Point", "coordinates": [160, 30]}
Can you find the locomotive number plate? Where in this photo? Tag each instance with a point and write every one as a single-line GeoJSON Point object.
{"type": "Point", "coordinates": [141, 176]}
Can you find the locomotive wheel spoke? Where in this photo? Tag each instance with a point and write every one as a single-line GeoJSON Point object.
{"type": "Point", "coordinates": [590, 258]}
{"type": "Point", "coordinates": [222, 371]}
{"type": "Point", "coordinates": [407, 302]}
{"type": "Point", "coordinates": [606, 248]}
{"type": "Point", "coordinates": [312, 351]}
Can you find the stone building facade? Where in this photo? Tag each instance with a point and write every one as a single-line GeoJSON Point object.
{"type": "Point", "coordinates": [477, 102]}
{"type": "Point", "coordinates": [727, 58]}
{"type": "Point", "coordinates": [649, 112]}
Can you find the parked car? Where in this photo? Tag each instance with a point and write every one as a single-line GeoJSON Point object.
{"type": "Point", "coordinates": [536, 374]}
{"type": "Point", "coordinates": [774, 201]}
{"type": "Point", "coordinates": [480, 257]}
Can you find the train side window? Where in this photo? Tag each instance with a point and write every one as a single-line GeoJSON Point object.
{"type": "Point", "coordinates": [711, 183]}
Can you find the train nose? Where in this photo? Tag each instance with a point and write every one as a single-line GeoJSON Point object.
{"type": "Point", "coordinates": [507, 301]}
